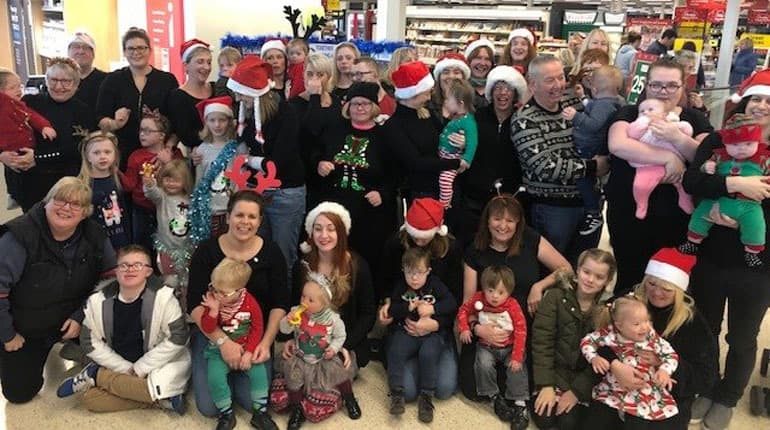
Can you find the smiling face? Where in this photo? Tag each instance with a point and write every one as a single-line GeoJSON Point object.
{"type": "Point", "coordinates": [592, 277]}
{"type": "Point", "coordinates": [519, 48]}
{"type": "Point", "coordinates": [82, 54]}
{"type": "Point", "coordinates": [449, 74]}
{"type": "Point", "coordinates": [497, 295]}
{"type": "Point", "coordinates": [548, 84]}
{"type": "Point", "coordinates": [502, 227]}
{"type": "Point", "coordinates": [633, 322]}
{"type": "Point", "coordinates": [360, 110]}
{"type": "Point", "coordinates": [172, 186]}
{"type": "Point", "coordinates": [665, 84]}
{"type": "Point", "coordinates": [101, 156]}
{"type": "Point", "coordinates": [502, 97]}
{"type": "Point", "coordinates": [758, 107]}
{"type": "Point", "coordinates": [198, 67]}
{"type": "Point", "coordinates": [62, 82]}
{"type": "Point", "coordinates": [133, 278]}
{"type": "Point", "coordinates": [137, 52]}
{"type": "Point", "coordinates": [324, 234]}
{"type": "Point", "coordinates": [12, 87]}
{"type": "Point", "coordinates": [63, 216]}
{"type": "Point", "coordinates": [243, 220]}
{"type": "Point", "coordinates": [659, 294]}
{"type": "Point", "coordinates": [481, 63]}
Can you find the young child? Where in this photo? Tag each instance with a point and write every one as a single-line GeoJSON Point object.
{"type": "Point", "coordinates": [17, 126]}
{"type": "Point", "coordinates": [744, 154]}
{"type": "Point", "coordinates": [627, 330]}
{"type": "Point", "coordinates": [99, 169]}
{"type": "Point", "coordinates": [298, 50]}
{"type": "Point", "coordinates": [561, 375]}
{"type": "Point", "coordinates": [172, 205]}
{"type": "Point", "coordinates": [150, 157]}
{"type": "Point", "coordinates": [649, 176]}
{"type": "Point", "coordinates": [319, 334]}
{"type": "Point", "coordinates": [227, 59]}
{"type": "Point", "coordinates": [136, 334]}
{"type": "Point", "coordinates": [215, 154]}
{"type": "Point", "coordinates": [494, 305]}
{"type": "Point", "coordinates": [418, 296]}
{"type": "Point", "coordinates": [230, 307]}
{"type": "Point", "coordinates": [590, 137]}
{"type": "Point", "coordinates": [458, 102]}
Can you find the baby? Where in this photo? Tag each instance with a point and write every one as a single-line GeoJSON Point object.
{"type": "Point", "coordinates": [298, 50]}
{"type": "Point", "coordinates": [649, 176]}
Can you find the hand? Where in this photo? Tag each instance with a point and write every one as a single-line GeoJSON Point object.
{"type": "Point", "coordinates": [668, 130]}
{"type": "Point", "coordinates": [602, 165]}
{"type": "Point", "coordinates": [374, 198]}
{"type": "Point", "coordinates": [674, 170]}
{"type": "Point", "coordinates": [212, 303]}
{"type": "Point", "coordinates": [600, 365]}
{"type": "Point", "coordinates": [492, 334]}
{"type": "Point", "coordinates": [14, 344]}
{"type": "Point", "coordinates": [329, 353]}
{"type": "Point", "coordinates": [466, 337]}
{"type": "Point", "coordinates": [628, 377]}
{"type": "Point", "coordinates": [324, 168]}
{"type": "Point", "coordinates": [231, 353]}
{"type": "Point", "coordinates": [568, 113]}
{"type": "Point", "coordinates": [164, 156]}
{"type": "Point", "coordinates": [345, 358]}
{"type": "Point", "coordinates": [26, 158]}
{"type": "Point", "coordinates": [196, 157]}
{"type": "Point", "coordinates": [515, 366]}
{"type": "Point", "coordinates": [709, 167]}
{"type": "Point", "coordinates": [649, 358]}
{"type": "Point", "coordinates": [463, 166]}
{"type": "Point", "coordinates": [663, 379]}
{"type": "Point", "coordinates": [148, 181]}
{"type": "Point", "coordinates": [121, 117]}
{"type": "Point", "coordinates": [421, 327]}
{"type": "Point", "coordinates": [262, 353]}
{"type": "Point", "coordinates": [313, 85]}
{"type": "Point", "coordinates": [70, 329]}
{"type": "Point", "coordinates": [545, 401]}
{"type": "Point", "coordinates": [383, 315]}
{"type": "Point", "coordinates": [245, 363]}
{"type": "Point", "coordinates": [696, 100]}
{"type": "Point", "coordinates": [457, 139]}
{"type": "Point", "coordinates": [534, 298]}
{"type": "Point", "coordinates": [756, 188]}
{"type": "Point", "coordinates": [715, 216]}
{"type": "Point", "coordinates": [289, 348]}
{"type": "Point", "coordinates": [48, 133]}
{"type": "Point", "coordinates": [425, 310]}
{"type": "Point", "coordinates": [567, 401]}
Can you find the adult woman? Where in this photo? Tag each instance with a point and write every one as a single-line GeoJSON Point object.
{"type": "Point", "coordinates": [449, 67]}
{"type": "Point", "coordinates": [404, 54]}
{"type": "Point", "coordinates": [344, 55]}
{"type": "Point", "coordinates": [267, 284]}
{"type": "Point", "coordinates": [180, 107]}
{"type": "Point", "coordinates": [721, 274]}
{"type": "Point", "coordinates": [126, 92]}
{"type": "Point", "coordinates": [271, 134]}
{"type": "Point", "coordinates": [744, 63]}
{"type": "Point", "coordinates": [596, 39]}
{"type": "Point", "coordinates": [634, 240]}
{"type": "Point", "coordinates": [505, 90]}
{"type": "Point", "coordinates": [273, 52]}
{"type": "Point", "coordinates": [520, 50]}
{"type": "Point", "coordinates": [503, 239]}
{"type": "Point", "coordinates": [52, 258]}
{"type": "Point", "coordinates": [423, 227]}
{"type": "Point", "coordinates": [354, 169]}
{"type": "Point", "coordinates": [480, 55]}
{"type": "Point", "coordinates": [52, 160]}
{"type": "Point", "coordinates": [624, 58]}
{"type": "Point", "coordinates": [327, 253]}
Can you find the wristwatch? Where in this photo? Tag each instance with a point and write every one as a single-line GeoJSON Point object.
{"type": "Point", "coordinates": [221, 341]}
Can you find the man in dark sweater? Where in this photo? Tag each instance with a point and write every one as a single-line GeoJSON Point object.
{"type": "Point", "coordinates": [81, 49]}
{"type": "Point", "coordinates": [549, 161]}
{"type": "Point", "coordinates": [664, 44]}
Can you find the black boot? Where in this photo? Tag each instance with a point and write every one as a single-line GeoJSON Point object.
{"type": "Point", "coordinates": [397, 402]}
{"type": "Point", "coordinates": [226, 420]}
{"type": "Point", "coordinates": [502, 409]}
{"type": "Point", "coordinates": [752, 260]}
{"type": "Point", "coordinates": [425, 407]}
{"type": "Point", "coordinates": [262, 421]}
{"type": "Point", "coordinates": [296, 419]}
{"type": "Point", "coordinates": [351, 404]}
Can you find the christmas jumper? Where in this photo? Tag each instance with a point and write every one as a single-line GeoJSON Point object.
{"type": "Point", "coordinates": [241, 321]}
{"type": "Point", "coordinates": [110, 210]}
{"type": "Point", "coordinates": [132, 181]}
{"type": "Point", "coordinates": [18, 123]}
{"type": "Point", "coordinates": [508, 317]}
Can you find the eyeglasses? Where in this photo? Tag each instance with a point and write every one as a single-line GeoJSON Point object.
{"type": "Point", "coordinates": [66, 83]}
{"type": "Point", "coordinates": [223, 293]}
{"type": "Point", "coordinates": [149, 130]}
{"type": "Point", "coordinates": [415, 272]}
{"type": "Point", "coordinates": [359, 105]}
{"type": "Point", "coordinates": [668, 86]}
{"type": "Point", "coordinates": [75, 206]}
{"type": "Point", "coordinates": [137, 49]}
{"type": "Point", "coordinates": [125, 267]}
{"type": "Point", "coordinates": [359, 75]}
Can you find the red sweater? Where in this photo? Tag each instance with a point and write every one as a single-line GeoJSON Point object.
{"type": "Point", "coordinates": [296, 75]}
{"type": "Point", "coordinates": [244, 328]}
{"type": "Point", "coordinates": [132, 180]}
{"type": "Point", "coordinates": [17, 123]}
{"type": "Point", "coordinates": [509, 310]}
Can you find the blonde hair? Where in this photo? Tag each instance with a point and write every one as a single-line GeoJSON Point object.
{"type": "Point", "coordinates": [177, 169]}
{"type": "Point", "coordinates": [72, 189]}
{"type": "Point", "coordinates": [682, 310]}
{"type": "Point", "coordinates": [207, 136]}
{"type": "Point", "coordinates": [195, 53]}
{"type": "Point", "coordinates": [4, 75]}
{"type": "Point", "coordinates": [463, 92]}
{"type": "Point", "coordinates": [85, 146]}
{"type": "Point", "coordinates": [327, 301]}
{"type": "Point", "coordinates": [611, 313]}
{"type": "Point", "coordinates": [230, 274]}
{"type": "Point", "coordinates": [232, 55]}
{"type": "Point", "coordinates": [298, 42]}
{"type": "Point", "coordinates": [346, 110]}
{"type": "Point", "coordinates": [567, 279]}
{"type": "Point", "coordinates": [336, 73]}
{"type": "Point", "coordinates": [607, 78]}
{"type": "Point", "coordinates": [320, 63]}
{"type": "Point", "coordinates": [268, 106]}
{"type": "Point", "coordinates": [584, 47]}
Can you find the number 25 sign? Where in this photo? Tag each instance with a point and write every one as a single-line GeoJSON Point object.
{"type": "Point", "coordinates": [641, 67]}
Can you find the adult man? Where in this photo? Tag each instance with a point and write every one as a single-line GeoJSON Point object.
{"type": "Point", "coordinates": [81, 49]}
{"type": "Point", "coordinates": [664, 44]}
{"type": "Point", "coordinates": [549, 161]}
{"type": "Point", "coordinates": [365, 69]}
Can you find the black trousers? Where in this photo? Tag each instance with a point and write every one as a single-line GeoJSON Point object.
{"type": "Point", "coordinates": [748, 294]}
{"type": "Point", "coordinates": [601, 416]}
{"type": "Point", "coordinates": [572, 420]}
{"type": "Point", "coordinates": [21, 371]}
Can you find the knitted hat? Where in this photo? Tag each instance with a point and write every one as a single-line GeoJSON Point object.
{"type": "Point", "coordinates": [741, 128]}
{"type": "Point", "coordinates": [223, 104]}
{"type": "Point", "coordinates": [410, 79]}
{"type": "Point", "coordinates": [189, 46]}
{"type": "Point", "coordinates": [476, 44]}
{"type": "Point", "coordinates": [671, 266]}
{"type": "Point", "coordinates": [522, 32]}
{"type": "Point", "coordinates": [251, 77]}
{"type": "Point", "coordinates": [272, 44]}
{"type": "Point", "coordinates": [367, 90]}
{"type": "Point", "coordinates": [82, 37]}
{"type": "Point", "coordinates": [322, 207]}
{"type": "Point", "coordinates": [510, 76]}
{"type": "Point", "coordinates": [756, 84]}
{"type": "Point", "coordinates": [451, 60]}
{"type": "Point", "coordinates": [425, 218]}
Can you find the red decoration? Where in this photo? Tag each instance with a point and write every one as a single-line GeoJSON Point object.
{"type": "Point", "coordinates": [265, 180]}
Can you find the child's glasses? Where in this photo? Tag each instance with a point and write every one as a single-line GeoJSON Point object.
{"type": "Point", "coordinates": [222, 293]}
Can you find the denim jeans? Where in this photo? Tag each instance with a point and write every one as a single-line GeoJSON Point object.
{"type": "Point", "coordinates": [284, 216]}
{"type": "Point", "coordinates": [485, 368]}
{"type": "Point", "coordinates": [560, 226]}
{"type": "Point", "coordinates": [240, 385]}
{"type": "Point", "coordinates": [591, 196]}
{"type": "Point", "coordinates": [446, 385]}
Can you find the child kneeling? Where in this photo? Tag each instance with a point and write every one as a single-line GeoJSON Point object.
{"type": "Point", "coordinates": [144, 361]}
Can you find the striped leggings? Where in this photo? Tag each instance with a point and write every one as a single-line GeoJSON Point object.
{"type": "Point", "coordinates": [446, 178]}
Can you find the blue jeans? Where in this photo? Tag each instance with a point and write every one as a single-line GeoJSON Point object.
{"type": "Point", "coordinates": [239, 382]}
{"type": "Point", "coordinates": [591, 196]}
{"type": "Point", "coordinates": [446, 384]}
{"type": "Point", "coordinates": [560, 226]}
{"type": "Point", "coordinates": [284, 216]}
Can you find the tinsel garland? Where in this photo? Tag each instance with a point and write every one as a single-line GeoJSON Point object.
{"type": "Point", "coordinates": [179, 256]}
{"type": "Point", "coordinates": [252, 44]}
{"type": "Point", "coordinates": [200, 209]}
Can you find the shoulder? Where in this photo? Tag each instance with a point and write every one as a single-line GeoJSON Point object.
{"type": "Point", "coordinates": [627, 113]}
{"type": "Point", "coordinates": [530, 237]}
{"type": "Point", "coordinates": [271, 252]}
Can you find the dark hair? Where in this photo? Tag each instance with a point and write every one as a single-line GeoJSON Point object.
{"type": "Point", "coordinates": [493, 275]}
{"type": "Point", "coordinates": [133, 248]}
{"type": "Point", "coordinates": [245, 196]}
{"type": "Point", "coordinates": [462, 91]}
{"type": "Point", "coordinates": [500, 205]}
{"type": "Point", "coordinates": [161, 121]}
{"type": "Point", "coordinates": [740, 107]}
{"type": "Point", "coordinates": [669, 33]}
{"type": "Point", "coordinates": [689, 46]}
{"type": "Point", "coordinates": [667, 63]}
{"type": "Point", "coordinates": [633, 37]}
{"type": "Point", "coordinates": [135, 33]}
{"type": "Point", "coordinates": [414, 256]}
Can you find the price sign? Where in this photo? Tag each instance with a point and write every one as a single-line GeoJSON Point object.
{"type": "Point", "coordinates": [641, 67]}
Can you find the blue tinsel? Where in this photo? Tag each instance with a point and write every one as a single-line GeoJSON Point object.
{"type": "Point", "coordinates": [251, 44]}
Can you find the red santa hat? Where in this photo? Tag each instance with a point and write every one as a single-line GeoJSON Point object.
{"type": "Point", "coordinates": [189, 46]}
{"type": "Point", "coordinates": [756, 84]}
{"type": "Point", "coordinates": [451, 60]}
{"type": "Point", "coordinates": [221, 104]}
{"type": "Point", "coordinates": [324, 207]}
{"type": "Point", "coordinates": [510, 76]}
{"type": "Point", "coordinates": [251, 77]}
{"type": "Point", "coordinates": [425, 218]}
{"type": "Point", "coordinates": [671, 266]}
{"type": "Point", "coordinates": [522, 32]}
{"type": "Point", "coordinates": [272, 44]}
{"type": "Point", "coordinates": [410, 79]}
{"type": "Point", "coordinates": [476, 44]}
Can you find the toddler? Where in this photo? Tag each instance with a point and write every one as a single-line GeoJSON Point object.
{"type": "Point", "coordinates": [494, 305]}
{"type": "Point", "coordinates": [298, 50]}
{"type": "Point", "coordinates": [458, 103]}
{"type": "Point", "coordinates": [590, 137]}
{"type": "Point", "coordinates": [648, 176]}
{"type": "Point", "coordinates": [229, 307]}
{"type": "Point", "coordinates": [227, 59]}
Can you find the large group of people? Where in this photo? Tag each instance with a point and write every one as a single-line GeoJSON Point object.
{"type": "Point", "coordinates": [174, 233]}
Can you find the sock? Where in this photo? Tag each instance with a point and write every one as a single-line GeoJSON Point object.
{"type": "Point", "coordinates": [226, 411]}
{"type": "Point", "coordinates": [260, 404]}
{"type": "Point", "coordinates": [346, 389]}
{"type": "Point", "coordinates": [521, 403]}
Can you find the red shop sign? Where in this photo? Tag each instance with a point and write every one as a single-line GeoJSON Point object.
{"type": "Point", "coordinates": [689, 14]}
{"type": "Point", "coordinates": [652, 22]}
{"type": "Point", "coordinates": [716, 16]}
{"type": "Point", "coordinates": [759, 17]}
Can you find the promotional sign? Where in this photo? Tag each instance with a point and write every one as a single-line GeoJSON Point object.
{"type": "Point", "coordinates": [21, 38]}
{"type": "Point", "coordinates": [641, 66]}
{"type": "Point", "coordinates": [165, 26]}
{"type": "Point", "coordinates": [761, 41]}
{"type": "Point", "coordinates": [689, 14]}
{"type": "Point", "coordinates": [759, 17]}
{"type": "Point", "coordinates": [649, 28]}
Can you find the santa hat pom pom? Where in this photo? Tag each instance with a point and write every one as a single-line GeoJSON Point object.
{"type": "Point", "coordinates": [735, 98]}
{"type": "Point", "coordinates": [443, 230]}
{"type": "Point", "coordinates": [478, 306]}
{"type": "Point", "coordinates": [305, 247]}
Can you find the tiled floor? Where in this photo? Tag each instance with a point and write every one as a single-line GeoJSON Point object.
{"type": "Point", "coordinates": [48, 412]}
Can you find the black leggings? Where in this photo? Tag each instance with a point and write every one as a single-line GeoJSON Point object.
{"type": "Point", "coordinates": [601, 416]}
{"type": "Point", "coordinates": [572, 420]}
{"type": "Point", "coordinates": [21, 371]}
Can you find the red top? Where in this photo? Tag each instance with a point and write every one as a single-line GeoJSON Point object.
{"type": "Point", "coordinates": [17, 123]}
{"type": "Point", "coordinates": [387, 105]}
{"type": "Point", "coordinates": [296, 75]}
{"type": "Point", "coordinates": [518, 337]}
{"type": "Point", "coordinates": [245, 326]}
{"type": "Point", "coordinates": [132, 180]}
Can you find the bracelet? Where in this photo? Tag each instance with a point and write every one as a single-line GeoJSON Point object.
{"type": "Point", "coordinates": [473, 325]}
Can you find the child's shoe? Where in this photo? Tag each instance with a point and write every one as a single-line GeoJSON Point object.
{"type": "Point", "coordinates": [689, 248]}
{"type": "Point", "coordinates": [520, 419]}
{"type": "Point", "coordinates": [397, 403]}
{"type": "Point", "coordinates": [502, 410]}
{"type": "Point", "coordinates": [84, 380]}
{"type": "Point", "coordinates": [752, 260]}
{"type": "Point", "coordinates": [296, 419]}
{"type": "Point", "coordinates": [425, 408]}
{"type": "Point", "coordinates": [226, 420]}
{"type": "Point", "coordinates": [591, 223]}
{"type": "Point", "coordinates": [262, 421]}
{"type": "Point", "coordinates": [351, 404]}
{"type": "Point", "coordinates": [175, 403]}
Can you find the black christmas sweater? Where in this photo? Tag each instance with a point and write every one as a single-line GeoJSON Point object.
{"type": "Point", "coordinates": [88, 89]}
{"type": "Point", "coordinates": [184, 117]}
{"type": "Point", "coordinates": [313, 121]}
